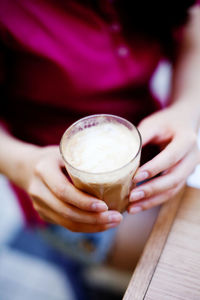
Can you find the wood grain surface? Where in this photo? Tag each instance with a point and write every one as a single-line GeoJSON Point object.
{"type": "Point", "coordinates": [147, 264]}
{"type": "Point", "coordinates": [177, 275]}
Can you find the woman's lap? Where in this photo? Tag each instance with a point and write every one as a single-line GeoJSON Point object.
{"type": "Point", "coordinates": [119, 247]}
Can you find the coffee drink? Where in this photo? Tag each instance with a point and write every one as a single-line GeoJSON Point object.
{"type": "Point", "coordinates": [102, 154]}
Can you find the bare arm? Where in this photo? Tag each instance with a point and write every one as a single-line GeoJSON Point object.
{"type": "Point", "coordinates": [186, 76]}
{"type": "Point", "coordinates": [15, 159]}
{"type": "Point", "coordinates": [175, 128]}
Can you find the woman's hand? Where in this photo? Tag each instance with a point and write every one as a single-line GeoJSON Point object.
{"type": "Point", "coordinates": [38, 170]}
{"type": "Point", "coordinates": [58, 201]}
{"type": "Point", "coordinates": [176, 134]}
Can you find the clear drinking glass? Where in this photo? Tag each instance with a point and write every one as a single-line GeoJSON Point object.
{"type": "Point", "coordinates": [113, 186]}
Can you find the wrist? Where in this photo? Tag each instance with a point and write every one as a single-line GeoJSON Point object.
{"type": "Point", "coordinates": [23, 164]}
{"type": "Point", "coordinates": [16, 159]}
{"type": "Point", "coordinates": [187, 109]}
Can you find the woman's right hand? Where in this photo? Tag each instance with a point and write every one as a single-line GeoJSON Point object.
{"type": "Point", "coordinates": [58, 201]}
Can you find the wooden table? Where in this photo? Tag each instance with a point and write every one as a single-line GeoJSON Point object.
{"type": "Point", "coordinates": [169, 268]}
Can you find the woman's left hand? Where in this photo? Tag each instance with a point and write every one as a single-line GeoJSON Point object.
{"type": "Point", "coordinates": [175, 132]}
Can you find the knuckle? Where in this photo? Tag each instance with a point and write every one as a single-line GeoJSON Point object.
{"type": "Point", "coordinates": [149, 191]}
{"type": "Point", "coordinates": [32, 191]}
{"type": "Point", "coordinates": [64, 213]}
{"type": "Point", "coordinates": [146, 205]}
{"type": "Point", "coordinates": [175, 157]}
{"type": "Point", "coordinates": [174, 181]}
{"type": "Point", "coordinates": [39, 167]}
{"type": "Point", "coordinates": [191, 137]}
{"type": "Point", "coordinates": [171, 193]}
{"type": "Point", "coordinates": [86, 204]}
{"type": "Point", "coordinates": [60, 191]}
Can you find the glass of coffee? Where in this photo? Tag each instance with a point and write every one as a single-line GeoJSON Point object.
{"type": "Point", "coordinates": [101, 154]}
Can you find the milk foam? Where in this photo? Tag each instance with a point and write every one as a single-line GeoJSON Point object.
{"type": "Point", "coordinates": [102, 148]}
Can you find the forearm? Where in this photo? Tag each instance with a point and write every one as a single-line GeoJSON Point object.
{"type": "Point", "coordinates": [186, 77]}
{"type": "Point", "coordinates": [15, 157]}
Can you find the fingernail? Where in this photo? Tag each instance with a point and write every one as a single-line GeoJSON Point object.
{"type": "Point", "coordinates": [141, 176]}
{"type": "Point", "coordinates": [112, 225]}
{"type": "Point", "coordinates": [136, 195]}
{"type": "Point", "coordinates": [114, 217]}
{"type": "Point", "coordinates": [135, 209]}
{"type": "Point", "coordinates": [99, 206]}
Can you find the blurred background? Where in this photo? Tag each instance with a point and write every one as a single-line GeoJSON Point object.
{"type": "Point", "coordinates": [31, 269]}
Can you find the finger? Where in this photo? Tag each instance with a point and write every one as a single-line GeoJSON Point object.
{"type": "Point", "coordinates": [148, 133]}
{"type": "Point", "coordinates": [53, 177]}
{"type": "Point", "coordinates": [173, 153]}
{"type": "Point", "coordinates": [44, 198]}
{"type": "Point", "coordinates": [49, 215]}
{"type": "Point", "coordinates": [169, 180]}
{"type": "Point", "coordinates": [155, 200]}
